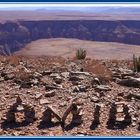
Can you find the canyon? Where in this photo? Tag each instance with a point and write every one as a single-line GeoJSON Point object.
{"type": "Point", "coordinates": [15, 35]}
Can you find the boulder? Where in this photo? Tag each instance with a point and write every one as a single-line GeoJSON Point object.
{"type": "Point", "coordinates": [130, 82]}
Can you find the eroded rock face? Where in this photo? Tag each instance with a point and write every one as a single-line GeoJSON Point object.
{"type": "Point", "coordinates": [15, 35]}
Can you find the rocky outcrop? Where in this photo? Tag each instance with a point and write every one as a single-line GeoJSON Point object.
{"type": "Point", "coordinates": [15, 35]}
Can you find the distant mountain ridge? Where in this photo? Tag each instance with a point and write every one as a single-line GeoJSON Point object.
{"type": "Point", "coordinates": [100, 9]}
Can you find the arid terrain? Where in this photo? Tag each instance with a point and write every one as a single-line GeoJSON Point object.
{"type": "Point", "coordinates": [95, 86]}
{"type": "Point", "coordinates": [67, 48]}
{"type": "Point", "coordinates": [45, 90]}
{"type": "Point", "coordinates": [66, 15]}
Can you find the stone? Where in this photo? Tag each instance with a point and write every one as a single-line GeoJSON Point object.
{"type": "Point", "coordinates": [130, 82]}
{"type": "Point", "coordinates": [76, 89]}
{"type": "Point", "coordinates": [134, 96]}
{"type": "Point", "coordinates": [20, 108]}
{"type": "Point", "coordinates": [96, 81]}
{"type": "Point", "coordinates": [134, 124]}
{"type": "Point", "coordinates": [103, 88]}
{"type": "Point", "coordinates": [126, 72]}
{"type": "Point", "coordinates": [50, 93]}
{"type": "Point", "coordinates": [35, 81]}
{"type": "Point", "coordinates": [94, 99]}
{"type": "Point", "coordinates": [37, 75]}
{"type": "Point", "coordinates": [49, 113]}
{"type": "Point", "coordinates": [120, 119]}
{"type": "Point", "coordinates": [44, 101]}
{"type": "Point", "coordinates": [80, 73]}
{"type": "Point", "coordinates": [97, 113]}
{"type": "Point", "coordinates": [120, 109]}
{"type": "Point", "coordinates": [51, 87]}
{"type": "Point", "coordinates": [29, 113]}
{"type": "Point", "coordinates": [53, 75]}
{"type": "Point", "coordinates": [47, 72]}
{"type": "Point", "coordinates": [62, 104]}
{"type": "Point", "coordinates": [82, 88]}
{"type": "Point", "coordinates": [38, 95]}
{"type": "Point", "coordinates": [65, 74]}
{"type": "Point", "coordinates": [58, 80]}
{"type": "Point", "coordinates": [75, 78]}
{"type": "Point", "coordinates": [9, 76]}
{"type": "Point", "coordinates": [76, 113]}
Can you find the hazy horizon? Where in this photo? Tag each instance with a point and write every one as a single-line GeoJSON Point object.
{"type": "Point", "coordinates": [68, 7]}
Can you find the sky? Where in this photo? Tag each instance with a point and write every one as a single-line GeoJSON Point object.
{"type": "Point", "coordinates": [62, 6]}
{"type": "Point", "coordinates": [45, 5]}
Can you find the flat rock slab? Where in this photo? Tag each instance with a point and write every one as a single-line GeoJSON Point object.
{"type": "Point", "coordinates": [130, 82]}
{"type": "Point", "coordinates": [50, 93]}
{"type": "Point", "coordinates": [44, 101]}
{"type": "Point", "coordinates": [103, 88]}
{"type": "Point", "coordinates": [38, 95]}
{"type": "Point", "coordinates": [20, 108]}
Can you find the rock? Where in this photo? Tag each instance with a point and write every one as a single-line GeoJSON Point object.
{"type": "Point", "coordinates": [9, 76]}
{"type": "Point", "coordinates": [96, 81]}
{"type": "Point", "coordinates": [58, 80]}
{"type": "Point", "coordinates": [134, 124]}
{"type": "Point", "coordinates": [76, 112]}
{"type": "Point", "coordinates": [53, 75]}
{"type": "Point", "coordinates": [27, 84]}
{"type": "Point", "coordinates": [20, 108]}
{"type": "Point", "coordinates": [119, 109]}
{"type": "Point", "coordinates": [82, 88]}
{"type": "Point", "coordinates": [65, 74]}
{"type": "Point", "coordinates": [130, 82]}
{"type": "Point", "coordinates": [50, 93]}
{"type": "Point", "coordinates": [134, 119]}
{"type": "Point", "coordinates": [119, 119]}
{"type": "Point", "coordinates": [16, 133]}
{"type": "Point", "coordinates": [38, 95]}
{"type": "Point", "coordinates": [94, 99]}
{"type": "Point", "coordinates": [37, 75]}
{"type": "Point", "coordinates": [47, 72]}
{"type": "Point", "coordinates": [62, 104]}
{"type": "Point", "coordinates": [79, 88]}
{"type": "Point", "coordinates": [35, 81]}
{"type": "Point", "coordinates": [116, 75]}
{"type": "Point", "coordinates": [44, 101]}
{"type": "Point", "coordinates": [133, 96]}
{"type": "Point", "coordinates": [76, 89]}
{"type": "Point", "coordinates": [80, 73]}
{"type": "Point", "coordinates": [49, 87]}
{"type": "Point", "coordinates": [1, 79]}
{"type": "Point", "coordinates": [103, 88]}
{"type": "Point", "coordinates": [75, 78]}
{"type": "Point", "coordinates": [126, 72]}
{"type": "Point", "coordinates": [48, 113]}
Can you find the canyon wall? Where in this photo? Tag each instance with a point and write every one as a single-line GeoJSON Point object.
{"type": "Point", "coordinates": [15, 35]}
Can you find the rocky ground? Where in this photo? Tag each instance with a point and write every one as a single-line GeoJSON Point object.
{"type": "Point", "coordinates": [105, 90]}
